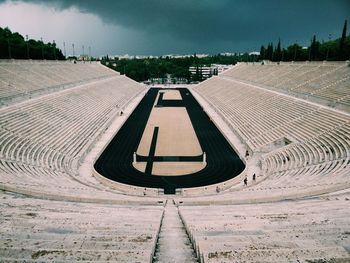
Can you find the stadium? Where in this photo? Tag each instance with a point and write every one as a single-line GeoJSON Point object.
{"type": "Point", "coordinates": [56, 206]}
{"type": "Point", "coordinates": [250, 165]}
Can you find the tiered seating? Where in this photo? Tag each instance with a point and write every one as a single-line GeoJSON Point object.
{"type": "Point", "coordinates": [43, 140]}
{"type": "Point", "coordinates": [318, 155]}
{"type": "Point", "coordinates": [325, 83]}
{"type": "Point", "coordinates": [279, 232]}
{"type": "Point", "coordinates": [20, 80]}
{"type": "Point", "coordinates": [34, 230]}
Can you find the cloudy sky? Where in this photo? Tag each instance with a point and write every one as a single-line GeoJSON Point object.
{"type": "Point", "coordinates": [158, 27]}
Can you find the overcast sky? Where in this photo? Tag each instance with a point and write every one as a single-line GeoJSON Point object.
{"type": "Point", "coordinates": [159, 27]}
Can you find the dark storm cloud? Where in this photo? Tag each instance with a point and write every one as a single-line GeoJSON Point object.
{"type": "Point", "coordinates": [219, 25]}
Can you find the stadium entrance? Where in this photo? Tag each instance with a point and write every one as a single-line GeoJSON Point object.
{"type": "Point", "coordinates": [169, 142]}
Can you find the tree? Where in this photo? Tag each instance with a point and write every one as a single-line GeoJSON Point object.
{"type": "Point", "coordinates": [278, 52]}
{"type": "Point", "coordinates": [341, 54]}
{"type": "Point", "coordinates": [262, 52]}
{"type": "Point", "coordinates": [269, 52]}
{"type": "Point", "coordinates": [13, 45]}
{"type": "Point", "coordinates": [314, 49]}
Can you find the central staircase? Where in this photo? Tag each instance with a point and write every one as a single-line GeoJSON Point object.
{"type": "Point", "coordinates": [174, 245]}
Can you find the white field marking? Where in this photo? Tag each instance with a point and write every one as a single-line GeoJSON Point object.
{"type": "Point", "coordinates": [176, 168]}
{"type": "Point", "coordinates": [176, 136]}
{"type": "Point", "coordinates": [140, 166]}
{"type": "Point", "coordinates": [171, 95]}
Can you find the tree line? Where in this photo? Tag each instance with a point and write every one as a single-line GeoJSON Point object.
{"type": "Point", "coordinates": [14, 45]}
{"type": "Point", "coordinates": [338, 49]}
{"type": "Point", "coordinates": [148, 68]}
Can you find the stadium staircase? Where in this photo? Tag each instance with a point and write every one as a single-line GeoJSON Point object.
{"type": "Point", "coordinates": [174, 245]}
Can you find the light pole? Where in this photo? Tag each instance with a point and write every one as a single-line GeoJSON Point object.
{"type": "Point", "coordinates": [73, 50]}
{"type": "Point", "coordinates": [329, 40]}
{"type": "Point", "coordinates": [64, 49]}
{"type": "Point", "coordinates": [9, 48]}
{"type": "Point", "coordinates": [54, 49]}
{"type": "Point", "coordinates": [83, 53]}
{"type": "Point", "coordinates": [90, 53]}
{"type": "Point", "coordinates": [27, 46]}
{"type": "Point", "coordinates": [42, 48]}
{"type": "Point", "coordinates": [311, 47]}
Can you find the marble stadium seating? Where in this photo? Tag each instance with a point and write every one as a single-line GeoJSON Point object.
{"type": "Point", "coordinates": [292, 118]}
{"type": "Point", "coordinates": [296, 210]}
{"type": "Point", "coordinates": [24, 79]}
{"type": "Point", "coordinates": [323, 82]}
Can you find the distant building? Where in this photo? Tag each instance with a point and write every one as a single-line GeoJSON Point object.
{"type": "Point", "coordinates": [84, 58]}
{"type": "Point", "coordinates": [208, 71]}
{"type": "Point", "coordinates": [221, 68]}
{"type": "Point", "coordinates": [168, 80]}
{"type": "Point", "coordinates": [202, 71]}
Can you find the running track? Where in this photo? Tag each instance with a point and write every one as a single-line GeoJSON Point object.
{"type": "Point", "coordinates": [115, 162]}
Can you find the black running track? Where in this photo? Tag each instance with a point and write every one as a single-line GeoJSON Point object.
{"type": "Point", "coordinates": [115, 162]}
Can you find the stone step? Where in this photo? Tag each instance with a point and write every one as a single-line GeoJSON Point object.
{"type": "Point", "coordinates": [174, 245]}
{"type": "Point", "coordinates": [55, 255]}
